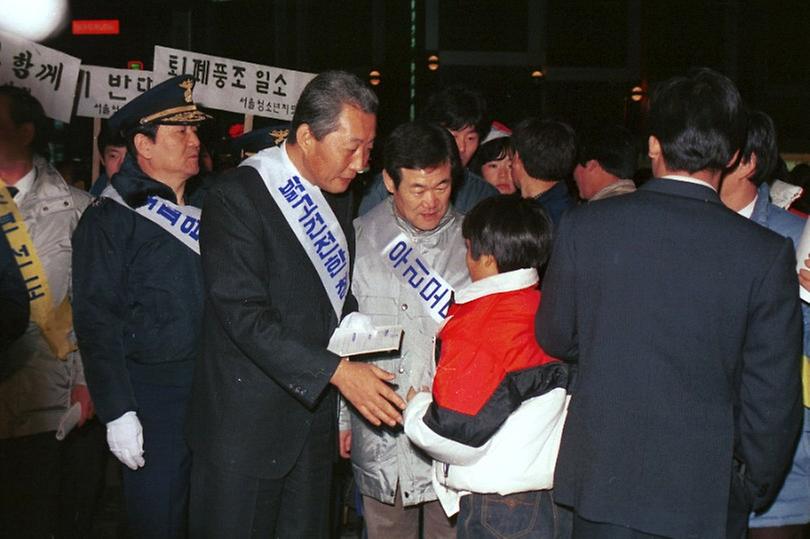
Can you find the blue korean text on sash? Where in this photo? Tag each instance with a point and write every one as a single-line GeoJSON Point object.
{"type": "Point", "coordinates": [183, 225]}
{"type": "Point", "coordinates": [332, 257]}
{"type": "Point", "coordinates": [435, 292]}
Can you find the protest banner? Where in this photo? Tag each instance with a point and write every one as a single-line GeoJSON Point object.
{"type": "Point", "coordinates": [104, 90]}
{"type": "Point", "coordinates": [48, 74]}
{"type": "Point", "coordinates": [233, 85]}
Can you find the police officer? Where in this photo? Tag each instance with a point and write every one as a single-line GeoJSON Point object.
{"type": "Point", "coordinates": [138, 286]}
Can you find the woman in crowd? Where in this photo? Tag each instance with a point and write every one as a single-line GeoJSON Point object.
{"type": "Point", "coordinates": [493, 160]}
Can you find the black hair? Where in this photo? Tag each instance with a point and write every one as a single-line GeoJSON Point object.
{"type": "Point", "coordinates": [323, 99]}
{"type": "Point", "coordinates": [417, 145]}
{"type": "Point", "coordinates": [25, 108]}
{"type": "Point", "coordinates": [494, 150]}
{"type": "Point", "coordinates": [514, 230]}
{"type": "Point", "coordinates": [547, 148]}
{"type": "Point", "coordinates": [455, 107]}
{"type": "Point", "coordinates": [149, 130]}
{"type": "Point", "coordinates": [612, 147]}
{"type": "Point", "coordinates": [699, 120]}
{"type": "Point", "coordinates": [760, 140]}
{"type": "Point", "coordinates": [108, 137]}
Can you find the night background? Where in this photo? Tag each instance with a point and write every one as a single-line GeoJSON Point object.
{"type": "Point", "coordinates": [590, 53]}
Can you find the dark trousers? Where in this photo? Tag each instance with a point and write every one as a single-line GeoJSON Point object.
{"type": "Point", "coordinates": [227, 504]}
{"type": "Point", "coordinates": [523, 514]}
{"type": "Point", "coordinates": [29, 475]}
{"type": "Point", "coordinates": [156, 496]}
{"type": "Point", "coordinates": [84, 463]}
{"type": "Point", "coordinates": [50, 488]}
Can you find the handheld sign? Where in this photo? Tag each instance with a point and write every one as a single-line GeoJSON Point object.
{"type": "Point", "coordinates": [48, 74]}
{"type": "Point", "coordinates": [233, 85]}
{"type": "Point", "coordinates": [104, 90]}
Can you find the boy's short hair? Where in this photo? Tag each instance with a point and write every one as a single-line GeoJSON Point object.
{"type": "Point", "coordinates": [612, 147]}
{"type": "Point", "coordinates": [760, 140]}
{"type": "Point", "coordinates": [547, 148]}
{"type": "Point", "coordinates": [107, 137]}
{"type": "Point", "coordinates": [514, 230]}
{"type": "Point", "coordinates": [455, 107]}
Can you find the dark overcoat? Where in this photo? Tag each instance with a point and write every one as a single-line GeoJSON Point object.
{"type": "Point", "coordinates": [685, 320]}
{"type": "Point", "coordinates": [264, 370]}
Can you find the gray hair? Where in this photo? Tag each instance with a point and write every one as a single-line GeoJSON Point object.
{"type": "Point", "coordinates": [324, 97]}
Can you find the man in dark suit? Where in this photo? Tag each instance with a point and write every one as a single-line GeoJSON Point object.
{"type": "Point", "coordinates": [684, 318]}
{"type": "Point", "coordinates": [276, 244]}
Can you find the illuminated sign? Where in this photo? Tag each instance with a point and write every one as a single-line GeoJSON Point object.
{"type": "Point", "coordinates": [98, 27]}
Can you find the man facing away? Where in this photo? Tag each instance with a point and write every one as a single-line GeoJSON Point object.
{"type": "Point", "coordinates": [744, 189]}
{"type": "Point", "coordinates": [277, 249]}
{"type": "Point", "coordinates": [410, 258]}
{"type": "Point", "coordinates": [606, 160]}
{"type": "Point", "coordinates": [545, 154]}
{"type": "Point", "coordinates": [138, 285]}
{"type": "Point", "coordinates": [687, 408]}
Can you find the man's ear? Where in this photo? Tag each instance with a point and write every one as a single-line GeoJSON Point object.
{"type": "Point", "coordinates": [490, 262]}
{"type": "Point", "coordinates": [389, 182]}
{"type": "Point", "coordinates": [591, 165]}
{"type": "Point", "coordinates": [653, 147]}
{"type": "Point", "coordinates": [748, 168]}
{"type": "Point", "coordinates": [143, 145]}
{"type": "Point", "coordinates": [304, 138]}
{"type": "Point", "coordinates": [733, 159]}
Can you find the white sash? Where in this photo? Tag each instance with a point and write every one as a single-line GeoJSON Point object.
{"type": "Point", "coordinates": [311, 219]}
{"type": "Point", "coordinates": [434, 292]}
{"type": "Point", "coordinates": [182, 222]}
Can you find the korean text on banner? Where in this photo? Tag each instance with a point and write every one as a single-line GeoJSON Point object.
{"type": "Point", "coordinates": [104, 90]}
{"type": "Point", "coordinates": [48, 74]}
{"type": "Point", "coordinates": [234, 85]}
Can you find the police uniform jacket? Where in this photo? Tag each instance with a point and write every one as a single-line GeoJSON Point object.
{"type": "Point", "coordinates": [139, 290]}
{"type": "Point", "coordinates": [35, 387]}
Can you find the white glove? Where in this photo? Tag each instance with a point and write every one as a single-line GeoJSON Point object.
{"type": "Point", "coordinates": [358, 322]}
{"type": "Point", "coordinates": [125, 438]}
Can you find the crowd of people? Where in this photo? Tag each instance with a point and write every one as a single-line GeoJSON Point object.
{"type": "Point", "coordinates": [588, 350]}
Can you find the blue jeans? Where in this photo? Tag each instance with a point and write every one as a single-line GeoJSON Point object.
{"type": "Point", "coordinates": [492, 516]}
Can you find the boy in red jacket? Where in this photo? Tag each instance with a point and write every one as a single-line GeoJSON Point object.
{"type": "Point", "coordinates": [494, 419]}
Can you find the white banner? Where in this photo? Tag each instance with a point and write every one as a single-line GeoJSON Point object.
{"type": "Point", "coordinates": [234, 85]}
{"type": "Point", "coordinates": [104, 90]}
{"type": "Point", "coordinates": [48, 74]}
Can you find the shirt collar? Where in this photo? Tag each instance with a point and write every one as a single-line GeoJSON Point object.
{"type": "Point", "coordinates": [748, 211]}
{"type": "Point", "coordinates": [689, 179]}
{"type": "Point", "coordinates": [496, 284]}
{"type": "Point", "coordinates": [25, 184]}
